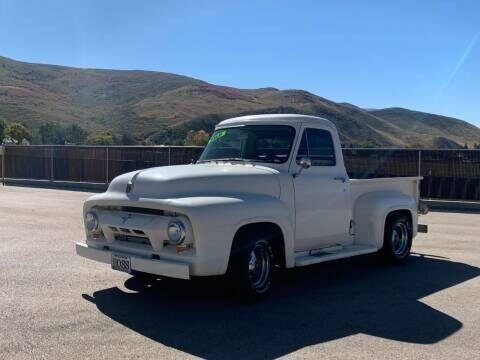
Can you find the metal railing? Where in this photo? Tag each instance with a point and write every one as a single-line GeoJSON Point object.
{"type": "Point", "coordinates": [88, 164]}
{"type": "Point", "coordinates": [448, 174]}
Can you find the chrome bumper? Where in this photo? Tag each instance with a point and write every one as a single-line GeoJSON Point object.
{"type": "Point", "coordinates": [161, 267]}
{"type": "Point", "coordinates": [423, 208]}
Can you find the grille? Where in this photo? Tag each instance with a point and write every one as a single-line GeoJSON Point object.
{"type": "Point", "coordinates": [130, 235]}
{"type": "Point", "coordinates": [133, 239]}
{"type": "Point", "coordinates": [138, 210]}
{"type": "Point", "coordinates": [127, 231]}
{"type": "Point", "coordinates": [134, 209]}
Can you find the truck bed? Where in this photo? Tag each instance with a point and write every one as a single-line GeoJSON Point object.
{"type": "Point", "coordinates": [407, 185]}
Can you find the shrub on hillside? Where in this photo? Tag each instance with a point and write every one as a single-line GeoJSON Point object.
{"type": "Point", "coordinates": [17, 132]}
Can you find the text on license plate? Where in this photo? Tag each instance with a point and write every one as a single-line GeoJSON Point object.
{"type": "Point", "coordinates": [121, 263]}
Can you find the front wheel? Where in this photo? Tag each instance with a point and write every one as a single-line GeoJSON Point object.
{"type": "Point", "coordinates": [398, 238]}
{"type": "Point", "coordinates": [251, 267]}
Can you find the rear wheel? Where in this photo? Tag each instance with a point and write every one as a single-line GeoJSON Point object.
{"type": "Point", "coordinates": [251, 266]}
{"type": "Point", "coordinates": [398, 238]}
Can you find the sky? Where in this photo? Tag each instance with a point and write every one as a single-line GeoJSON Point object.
{"type": "Point", "coordinates": [421, 55]}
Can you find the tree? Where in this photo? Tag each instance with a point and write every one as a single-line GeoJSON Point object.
{"type": "Point", "coordinates": [107, 138]}
{"type": "Point", "coordinates": [3, 126]}
{"type": "Point", "coordinates": [197, 138]}
{"type": "Point", "coordinates": [128, 139]}
{"type": "Point", "coordinates": [74, 134]}
{"type": "Point", "coordinates": [18, 132]}
{"type": "Point", "coordinates": [51, 133]}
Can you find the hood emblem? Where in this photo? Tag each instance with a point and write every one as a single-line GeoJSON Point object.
{"type": "Point", "coordinates": [130, 182]}
{"type": "Point", "coordinates": [129, 186]}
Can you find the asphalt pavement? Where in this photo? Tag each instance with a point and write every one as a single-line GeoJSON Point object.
{"type": "Point", "coordinates": [56, 305]}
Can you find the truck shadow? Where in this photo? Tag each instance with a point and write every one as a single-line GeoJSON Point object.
{"type": "Point", "coordinates": [308, 306]}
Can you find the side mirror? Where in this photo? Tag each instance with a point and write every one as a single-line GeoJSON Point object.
{"type": "Point", "coordinates": [304, 163]}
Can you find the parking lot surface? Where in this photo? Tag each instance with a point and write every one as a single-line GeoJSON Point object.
{"type": "Point", "coordinates": [54, 304]}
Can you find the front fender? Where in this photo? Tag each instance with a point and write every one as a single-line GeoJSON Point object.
{"type": "Point", "coordinates": [216, 220]}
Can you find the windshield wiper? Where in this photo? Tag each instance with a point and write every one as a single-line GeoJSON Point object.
{"type": "Point", "coordinates": [225, 159]}
{"type": "Point", "coordinates": [247, 161]}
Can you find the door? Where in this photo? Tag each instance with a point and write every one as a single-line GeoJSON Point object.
{"type": "Point", "coordinates": [322, 193]}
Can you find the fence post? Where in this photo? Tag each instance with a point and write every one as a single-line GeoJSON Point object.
{"type": "Point", "coordinates": [419, 162]}
{"type": "Point", "coordinates": [106, 165]}
{"type": "Point", "coordinates": [169, 156]}
{"type": "Point", "coordinates": [2, 152]}
{"type": "Point", "coordinates": [51, 163]}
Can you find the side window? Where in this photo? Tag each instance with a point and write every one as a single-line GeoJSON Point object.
{"type": "Point", "coordinates": [317, 145]}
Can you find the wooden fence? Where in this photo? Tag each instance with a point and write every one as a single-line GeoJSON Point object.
{"type": "Point", "coordinates": [448, 174]}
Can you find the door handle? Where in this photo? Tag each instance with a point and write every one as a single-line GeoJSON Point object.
{"type": "Point", "coordinates": [340, 178]}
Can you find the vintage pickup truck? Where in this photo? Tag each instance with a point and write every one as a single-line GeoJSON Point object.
{"type": "Point", "coordinates": [268, 191]}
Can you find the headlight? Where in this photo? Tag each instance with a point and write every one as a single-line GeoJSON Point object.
{"type": "Point", "coordinates": [91, 222]}
{"type": "Point", "coordinates": [176, 232]}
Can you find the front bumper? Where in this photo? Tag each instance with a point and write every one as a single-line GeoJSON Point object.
{"type": "Point", "coordinates": [161, 267]}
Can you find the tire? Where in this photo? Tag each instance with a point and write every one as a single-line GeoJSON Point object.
{"type": "Point", "coordinates": [251, 267]}
{"type": "Point", "coordinates": [397, 240]}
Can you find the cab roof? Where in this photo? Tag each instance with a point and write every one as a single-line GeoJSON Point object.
{"type": "Point", "coordinates": [287, 119]}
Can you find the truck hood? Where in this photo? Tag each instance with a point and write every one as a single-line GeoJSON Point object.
{"type": "Point", "coordinates": [210, 179]}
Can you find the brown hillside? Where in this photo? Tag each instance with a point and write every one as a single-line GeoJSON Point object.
{"type": "Point", "coordinates": [164, 106]}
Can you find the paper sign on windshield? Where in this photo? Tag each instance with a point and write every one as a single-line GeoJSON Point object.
{"type": "Point", "coordinates": [218, 135]}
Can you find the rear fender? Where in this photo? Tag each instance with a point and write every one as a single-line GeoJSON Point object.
{"type": "Point", "coordinates": [371, 211]}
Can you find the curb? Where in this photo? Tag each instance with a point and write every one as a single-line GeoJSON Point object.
{"type": "Point", "coordinates": [70, 185]}
{"type": "Point", "coordinates": [452, 205]}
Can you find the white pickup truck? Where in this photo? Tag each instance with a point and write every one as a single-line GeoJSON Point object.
{"type": "Point", "coordinates": [268, 191]}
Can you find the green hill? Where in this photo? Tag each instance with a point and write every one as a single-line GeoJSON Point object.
{"type": "Point", "coordinates": [163, 107]}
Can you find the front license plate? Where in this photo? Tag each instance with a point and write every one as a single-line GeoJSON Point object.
{"type": "Point", "coordinates": [121, 263]}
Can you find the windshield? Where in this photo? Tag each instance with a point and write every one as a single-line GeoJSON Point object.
{"type": "Point", "coordinates": [261, 143]}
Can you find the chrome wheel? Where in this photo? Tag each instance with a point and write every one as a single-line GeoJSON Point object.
{"type": "Point", "coordinates": [259, 266]}
{"type": "Point", "coordinates": [399, 238]}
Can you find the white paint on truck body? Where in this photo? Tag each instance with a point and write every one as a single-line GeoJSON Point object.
{"type": "Point", "coordinates": [314, 210]}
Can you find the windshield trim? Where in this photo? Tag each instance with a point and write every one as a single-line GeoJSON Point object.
{"type": "Point", "coordinates": [245, 160]}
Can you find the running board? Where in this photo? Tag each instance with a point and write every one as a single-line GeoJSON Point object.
{"type": "Point", "coordinates": [338, 252]}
